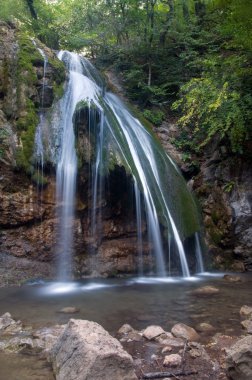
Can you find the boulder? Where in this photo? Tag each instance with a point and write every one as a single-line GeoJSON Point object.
{"type": "Point", "coordinates": [85, 351]}
{"type": "Point", "coordinates": [152, 332]}
{"type": "Point", "coordinates": [246, 311]}
{"type": "Point", "coordinates": [180, 330]}
{"type": "Point", "coordinates": [239, 360]}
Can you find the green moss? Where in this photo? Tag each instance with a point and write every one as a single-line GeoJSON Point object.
{"type": "Point", "coordinates": [39, 180]}
{"type": "Point", "coordinates": [215, 235]}
{"type": "Point", "coordinates": [26, 124]}
{"type": "Point", "coordinates": [27, 56]}
{"type": "Point", "coordinates": [58, 90]}
{"type": "Point", "coordinates": [59, 70]}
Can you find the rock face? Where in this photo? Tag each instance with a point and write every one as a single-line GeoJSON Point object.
{"type": "Point", "coordinates": [86, 351]}
{"type": "Point", "coordinates": [239, 360]}
{"type": "Point", "coordinates": [223, 184]}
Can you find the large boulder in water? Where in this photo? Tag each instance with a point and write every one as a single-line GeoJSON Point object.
{"type": "Point", "coordinates": [85, 351]}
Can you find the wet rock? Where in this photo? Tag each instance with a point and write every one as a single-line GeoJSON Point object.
{"type": "Point", "coordinates": [134, 337]}
{"type": "Point", "coordinates": [69, 310]}
{"type": "Point", "coordinates": [126, 329]}
{"type": "Point", "coordinates": [239, 360]}
{"type": "Point", "coordinates": [180, 330]}
{"type": "Point", "coordinates": [173, 360]}
{"type": "Point", "coordinates": [17, 344]}
{"type": "Point", "coordinates": [168, 340]}
{"type": "Point", "coordinates": [86, 351]}
{"type": "Point", "coordinates": [246, 311]}
{"type": "Point", "coordinates": [152, 332]}
{"type": "Point", "coordinates": [46, 95]}
{"type": "Point", "coordinates": [9, 325]}
{"type": "Point", "coordinates": [231, 278]}
{"type": "Point", "coordinates": [46, 337]}
{"type": "Point", "coordinates": [196, 350]}
{"type": "Point", "coordinates": [205, 291]}
{"type": "Point", "coordinates": [247, 325]}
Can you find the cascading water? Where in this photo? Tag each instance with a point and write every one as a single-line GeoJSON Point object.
{"type": "Point", "coordinates": [162, 201]}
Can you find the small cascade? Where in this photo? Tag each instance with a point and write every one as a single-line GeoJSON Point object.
{"type": "Point", "coordinates": [200, 263]}
{"type": "Point", "coordinates": [44, 75]}
{"type": "Point", "coordinates": [165, 211]}
{"type": "Point", "coordinates": [139, 228]}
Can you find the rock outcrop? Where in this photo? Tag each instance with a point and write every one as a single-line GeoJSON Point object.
{"type": "Point", "coordinates": [222, 183]}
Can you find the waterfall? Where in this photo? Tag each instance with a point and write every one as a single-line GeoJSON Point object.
{"type": "Point", "coordinates": [163, 204]}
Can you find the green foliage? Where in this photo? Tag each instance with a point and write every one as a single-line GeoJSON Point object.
{"type": "Point", "coordinates": [154, 116]}
{"type": "Point", "coordinates": [11, 10]}
{"type": "Point", "coordinates": [229, 186]}
{"type": "Point", "coordinates": [212, 106]}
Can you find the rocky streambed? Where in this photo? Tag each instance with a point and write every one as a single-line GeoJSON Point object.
{"type": "Point", "coordinates": [190, 330]}
{"type": "Point", "coordinates": [82, 350]}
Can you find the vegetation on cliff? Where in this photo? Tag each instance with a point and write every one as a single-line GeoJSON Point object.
{"type": "Point", "coordinates": [195, 54]}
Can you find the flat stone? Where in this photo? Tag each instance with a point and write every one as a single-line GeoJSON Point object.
{"type": "Point", "coordinates": [152, 332]}
{"type": "Point", "coordinates": [170, 341]}
{"type": "Point", "coordinates": [69, 310]}
{"type": "Point", "coordinates": [246, 311]}
{"type": "Point", "coordinates": [239, 360]}
{"type": "Point", "coordinates": [173, 360]}
{"type": "Point", "coordinates": [85, 351]}
{"type": "Point", "coordinates": [205, 291]}
{"type": "Point", "coordinates": [180, 330]}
